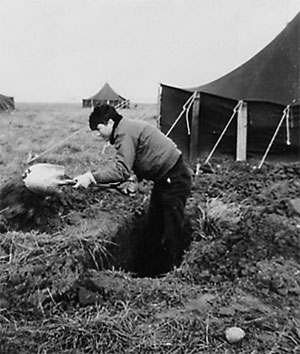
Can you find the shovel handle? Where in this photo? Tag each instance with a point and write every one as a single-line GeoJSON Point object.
{"type": "Point", "coordinates": [69, 182]}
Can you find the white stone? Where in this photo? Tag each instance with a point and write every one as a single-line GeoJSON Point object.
{"type": "Point", "coordinates": [234, 334]}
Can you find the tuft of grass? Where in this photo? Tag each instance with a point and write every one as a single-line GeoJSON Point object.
{"type": "Point", "coordinates": [219, 210]}
{"type": "Point", "coordinates": [214, 214]}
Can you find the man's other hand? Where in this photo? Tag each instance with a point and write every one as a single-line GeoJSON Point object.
{"type": "Point", "coordinates": [84, 180]}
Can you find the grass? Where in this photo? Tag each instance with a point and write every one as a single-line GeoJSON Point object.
{"type": "Point", "coordinates": [35, 129]}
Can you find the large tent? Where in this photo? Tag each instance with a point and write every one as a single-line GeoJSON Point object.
{"type": "Point", "coordinates": [7, 103]}
{"type": "Point", "coordinates": [105, 95]}
{"type": "Point", "coordinates": [254, 108]}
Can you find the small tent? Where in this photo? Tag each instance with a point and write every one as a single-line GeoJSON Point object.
{"type": "Point", "coordinates": [260, 99]}
{"type": "Point", "coordinates": [105, 95]}
{"type": "Point", "coordinates": [7, 103]}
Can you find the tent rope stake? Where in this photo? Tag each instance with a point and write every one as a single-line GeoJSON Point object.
{"type": "Point", "coordinates": [284, 116]}
{"type": "Point", "coordinates": [224, 130]}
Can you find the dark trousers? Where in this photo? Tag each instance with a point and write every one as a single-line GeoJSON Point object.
{"type": "Point", "coordinates": [166, 217]}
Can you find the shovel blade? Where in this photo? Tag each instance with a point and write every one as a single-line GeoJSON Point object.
{"type": "Point", "coordinates": [45, 178]}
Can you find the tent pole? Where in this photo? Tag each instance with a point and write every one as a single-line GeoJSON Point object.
{"type": "Point", "coordinates": [223, 132]}
{"type": "Point", "coordinates": [194, 140]}
{"type": "Point", "coordinates": [241, 141]}
{"type": "Point", "coordinates": [159, 106]}
{"type": "Point", "coordinates": [274, 136]}
{"type": "Point", "coordinates": [288, 134]}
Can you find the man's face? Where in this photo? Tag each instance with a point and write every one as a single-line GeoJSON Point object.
{"type": "Point", "coordinates": [105, 130]}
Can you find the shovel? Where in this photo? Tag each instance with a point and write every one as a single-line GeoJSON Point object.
{"type": "Point", "coordinates": [46, 179]}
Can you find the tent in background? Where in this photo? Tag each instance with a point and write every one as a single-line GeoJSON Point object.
{"type": "Point", "coordinates": [106, 95]}
{"type": "Point", "coordinates": [6, 103]}
{"type": "Point", "coordinates": [263, 95]}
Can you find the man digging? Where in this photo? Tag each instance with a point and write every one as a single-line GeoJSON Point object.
{"type": "Point", "coordinates": [145, 150]}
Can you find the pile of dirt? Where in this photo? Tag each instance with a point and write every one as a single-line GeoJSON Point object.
{"type": "Point", "coordinates": [242, 216]}
{"type": "Point", "coordinates": [22, 210]}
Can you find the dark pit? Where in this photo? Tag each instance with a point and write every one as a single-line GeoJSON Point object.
{"type": "Point", "coordinates": [137, 247]}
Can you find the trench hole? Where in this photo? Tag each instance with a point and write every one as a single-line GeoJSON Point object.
{"type": "Point", "coordinates": [137, 247]}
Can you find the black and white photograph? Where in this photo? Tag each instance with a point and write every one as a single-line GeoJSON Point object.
{"type": "Point", "coordinates": [149, 176]}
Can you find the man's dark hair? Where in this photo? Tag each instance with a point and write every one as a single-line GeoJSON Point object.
{"type": "Point", "coordinates": [101, 114]}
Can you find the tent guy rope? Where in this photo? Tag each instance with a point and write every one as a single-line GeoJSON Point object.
{"type": "Point", "coordinates": [285, 115]}
{"type": "Point", "coordinates": [32, 159]}
{"type": "Point", "coordinates": [185, 109]}
{"type": "Point", "coordinates": [54, 146]}
{"type": "Point", "coordinates": [224, 130]}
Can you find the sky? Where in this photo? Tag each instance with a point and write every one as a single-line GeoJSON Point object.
{"type": "Point", "coordinates": [66, 50]}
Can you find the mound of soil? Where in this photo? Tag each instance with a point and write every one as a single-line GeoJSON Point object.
{"type": "Point", "coordinates": [22, 210]}
{"type": "Point", "coordinates": [256, 218]}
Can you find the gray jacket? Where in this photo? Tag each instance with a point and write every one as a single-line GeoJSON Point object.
{"type": "Point", "coordinates": [141, 148]}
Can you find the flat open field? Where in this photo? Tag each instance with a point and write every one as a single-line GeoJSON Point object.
{"type": "Point", "coordinates": [76, 277]}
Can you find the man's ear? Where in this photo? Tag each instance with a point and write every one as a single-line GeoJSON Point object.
{"type": "Point", "coordinates": [110, 122]}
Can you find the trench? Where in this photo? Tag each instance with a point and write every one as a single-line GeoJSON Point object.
{"type": "Point", "coordinates": [137, 247]}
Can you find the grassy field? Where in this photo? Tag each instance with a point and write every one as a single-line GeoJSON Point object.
{"type": "Point", "coordinates": [52, 128]}
{"type": "Point", "coordinates": [70, 280]}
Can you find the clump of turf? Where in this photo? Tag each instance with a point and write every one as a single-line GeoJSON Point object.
{"type": "Point", "coordinates": [24, 210]}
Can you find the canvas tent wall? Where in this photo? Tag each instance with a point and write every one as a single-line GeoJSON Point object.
{"type": "Point", "coordinates": [7, 103]}
{"type": "Point", "coordinates": [105, 95]}
{"type": "Point", "coordinates": [267, 88]}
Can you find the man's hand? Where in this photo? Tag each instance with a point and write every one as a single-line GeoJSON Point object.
{"type": "Point", "coordinates": [84, 180]}
{"type": "Point", "coordinates": [128, 187]}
